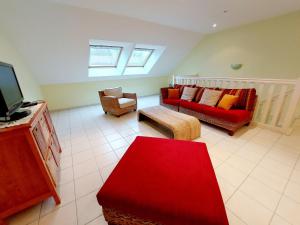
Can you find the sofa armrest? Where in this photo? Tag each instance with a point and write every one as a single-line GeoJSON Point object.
{"type": "Point", "coordinates": [164, 92]}
{"type": "Point", "coordinates": [129, 95]}
{"type": "Point", "coordinates": [109, 102]}
{"type": "Point", "coordinates": [253, 106]}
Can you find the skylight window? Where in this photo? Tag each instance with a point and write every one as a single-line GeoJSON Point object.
{"type": "Point", "coordinates": [104, 56]}
{"type": "Point", "coordinates": [139, 57]}
{"type": "Point", "coordinates": [111, 58]}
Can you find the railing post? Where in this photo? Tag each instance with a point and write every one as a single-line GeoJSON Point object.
{"type": "Point", "coordinates": [292, 107]}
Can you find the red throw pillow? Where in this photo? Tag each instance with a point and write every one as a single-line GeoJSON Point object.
{"type": "Point", "coordinates": [173, 93]}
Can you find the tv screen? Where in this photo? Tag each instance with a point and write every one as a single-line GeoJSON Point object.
{"type": "Point", "coordinates": [12, 96]}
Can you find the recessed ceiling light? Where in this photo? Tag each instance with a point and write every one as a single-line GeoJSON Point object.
{"type": "Point", "coordinates": [214, 25]}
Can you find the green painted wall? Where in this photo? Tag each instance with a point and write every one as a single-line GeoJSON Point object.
{"type": "Point", "coordinates": [62, 96]}
{"type": "Point", "coordinates": [28, 84]}
{"type": "Point", "coordinates": [269, 48]}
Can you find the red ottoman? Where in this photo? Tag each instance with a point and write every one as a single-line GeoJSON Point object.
{"type": "Point", "coordinates": [163, 181]}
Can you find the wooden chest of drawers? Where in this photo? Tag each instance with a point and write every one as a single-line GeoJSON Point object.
{"type": "Point", "coordinates": [29, 163]}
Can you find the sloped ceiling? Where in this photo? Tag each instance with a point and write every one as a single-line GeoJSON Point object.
{"type": "Point", "coordinates": [53, 35]}
{"type": "Point", "coordinates": [194, 15]}
{"type": "Point", "coordinates": [54, 38]}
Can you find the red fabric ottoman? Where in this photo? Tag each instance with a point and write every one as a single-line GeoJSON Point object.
{"type": "Point", "coordinates": [163, 181]}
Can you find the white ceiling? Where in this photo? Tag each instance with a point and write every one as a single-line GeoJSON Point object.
{"type": "Point", "coordinates": [194, 15]}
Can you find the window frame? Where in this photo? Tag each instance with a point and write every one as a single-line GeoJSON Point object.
{"type": "Point", "coordinates": [108, 46]}
{"type": "Point", "coordinates": [146, 60]}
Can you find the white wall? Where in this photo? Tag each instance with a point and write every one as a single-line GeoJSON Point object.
{"type": "Point", "coordinates": [9, 54]}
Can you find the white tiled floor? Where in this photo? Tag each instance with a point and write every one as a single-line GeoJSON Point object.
{"type": "Point", "coordinates": [258, 170]}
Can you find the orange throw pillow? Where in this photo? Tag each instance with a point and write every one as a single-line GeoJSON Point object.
{"type": "Point", "coordinates": [227, 101]}
{"type": "Point", "coordinates": [173, 93]}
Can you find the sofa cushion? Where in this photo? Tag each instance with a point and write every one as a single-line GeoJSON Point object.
{"type": "Point", "coordinates": [233, 115]}
{"type": "Point", "coordinates": [181, 87]}
{"type": "Point", "coordinates": [188, 93]}
{"type": "Point", "coordinates": [210, 97]}
{"type": "Point", "coordinates": [173, 93]}
{"type": "Point", "coordinates": [117, 92]}
{"type": "Point", "coordinates": [170, 101]}
{"type": "Point", "coordinates": [126, 102]}
{"type": "Point", "coordinates": [227, 101]}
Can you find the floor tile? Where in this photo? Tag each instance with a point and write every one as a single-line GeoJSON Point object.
{"type": "Point", "coordinates": [101, 149]}
{"type": "Point", "coordinates": [82, 157]}
{"type": "Point", "coordinates": [289, 210]}
{"type": "Point", "coordinates": [283, 156]}
{"type": "Point", "coordinates": [121, 151]}
{"type": "Point", "coordinates": [269, 178]}
{"type": "Point", "coordinates": [295, 177]}
{"type": "Point", "coordinates": [67, 195]}
{"type": "Point", "coordinates": [261, 193]}
{"type": "Point", "coordinates": [106, 171]}
{"type": "Point", "coordinates": [126, 132]}
{"type": "Point", "coordinates": [87, 184]}
{"type": "Point", "coordinates": [113, 137]}
{"type": "Point", "coordinates": [241, 164]}
{"type": "Point", "coordinates": [88, 208]}
{"type": "Point", "coordinates": [277, 220]}
{"type": "Point", "coordinates": [98, 221]}
{"type": "Point", "coordinates": [230, 174]}
{"type": "Point", "coordinates": [233, 219]}
{"type": "Point", "coordinates": [27, 216]}
{"type": "Point", "coordinates": [118, 144]}
{"type": "Point", "coordinates": [219, 152]}
{"type": "Point", "coordinates": [106, 159]}
{"type": "Point", "coordinates": [65, 152]}
{"type": "Point", "coordinates": [65, 162]}
{"type": "Point", "coordinates": [84, 168]}
{"type": "Point", "coordinates": [249, 210]}
{"type": "Point", "coordinates": [276, 167]}
{"type": "Point", "coordinates": [98, 141]}
{"type": "Point", "coordinates": [65, 176]}
{"type": "Point", "coordinates": [293, 191]}
{"type": "Point", "coordinates": [65, 215]}
{"type": "Point", "coordinates": [226, 188]}
{"type": "Point", "coordinates": [216, 161]}
{"type": "Point", "coordinates": [79, 147]}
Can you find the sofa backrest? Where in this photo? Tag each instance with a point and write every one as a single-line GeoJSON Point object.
{"type": "Point", "coordinates": [246, 100]}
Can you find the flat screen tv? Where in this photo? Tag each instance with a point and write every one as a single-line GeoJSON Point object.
{"type": "Point", "coordinates": [11, 97]}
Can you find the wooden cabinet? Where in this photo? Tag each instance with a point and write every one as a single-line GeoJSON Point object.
{"type": "Point", "coordinates": [29, 162]}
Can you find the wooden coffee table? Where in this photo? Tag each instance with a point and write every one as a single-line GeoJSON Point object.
{"type": "Point", "coordinates": [182, 126]}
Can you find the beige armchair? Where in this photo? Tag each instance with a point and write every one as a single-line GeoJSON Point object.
{"type": "Point", "coordinates": [116, 102]}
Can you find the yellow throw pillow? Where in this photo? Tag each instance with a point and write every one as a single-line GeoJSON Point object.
{"type": "Point", "coordinates": [227, 101]}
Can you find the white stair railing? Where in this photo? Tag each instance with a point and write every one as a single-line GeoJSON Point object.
{"type": "Point", "coordinates": [277, 101]}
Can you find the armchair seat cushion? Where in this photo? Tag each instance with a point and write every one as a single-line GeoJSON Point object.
{"type": "Point", "coordinates": [126, 102]}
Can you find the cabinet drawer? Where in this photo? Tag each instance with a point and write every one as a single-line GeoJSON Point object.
{"type": "Point", "coordinates": [39, 138]}
{"type": "Point", "coordinates": [44, 128]}
{"type": "Point", "coordinates": [55, 151]}
{"type": "Point", "coordinates": [52, 167]}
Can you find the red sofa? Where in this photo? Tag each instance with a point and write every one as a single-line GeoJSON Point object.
{"type": "Point", "coordinates": [239, 115]}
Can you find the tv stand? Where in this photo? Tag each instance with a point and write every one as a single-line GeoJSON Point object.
{"type": "Point", "coordinates": [16, 115]}
{"type": "Point", "coordinates": [29, 163]}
